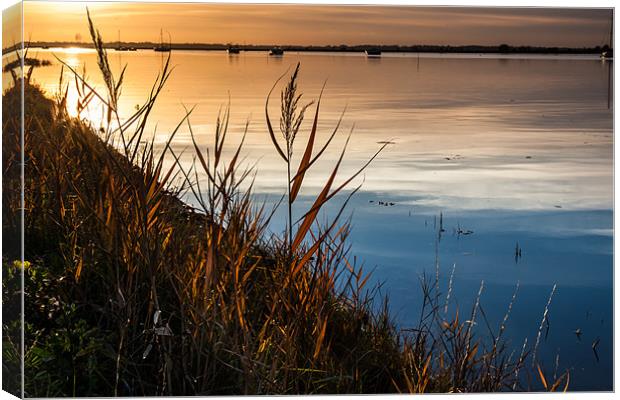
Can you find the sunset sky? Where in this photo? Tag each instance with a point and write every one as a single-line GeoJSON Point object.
{"type": "Point", "coordinates": [319, 24]}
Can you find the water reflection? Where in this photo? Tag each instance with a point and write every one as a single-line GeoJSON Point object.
{"type": "Point", "coordinates": [514, 149]}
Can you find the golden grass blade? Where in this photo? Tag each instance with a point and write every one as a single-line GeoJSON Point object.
{"type": "Point", "coordinates": [119, 84]}
{"type": "Point", "coordinates": [78, 269]}
{"type": "Point", "coordinates": [542, 376]}
{"type": "Point", "coordinates": [305, 160]}
{"type": "Point", "coordinates": [320, 240]}
{"type": "Point", "coordinates": [201, 158]}
{"type": "Point", "coordinates": [231, 166]}
{"type": "Point", "coordinates": [166, 177]}
{"type": "Point", "coordinates": [364, 281]}
{"type": "Point", "coordinates": [472, 353]}
{"type": "Point", "coordinates": [225, 126]}
{"type": "Point", "coordinates": [269, 127]}
{"type": "Point", "coordinates": [83, 80]}
{"type": "Point", "coordinates": [320, 152]}
{"type": "Point", "coordinates": [314, 207]}
{"type": "Point", "coordinates": [426, 365]}
{"type": "Point", "coordinates": [567, 380]}
{"type": "Point", "coordinates": [87, 99]}
{"type": "Point", "coordinates": [556, 384]}
{"type": "Point", "coordinates": [221, 128]}
{"type": "Point", "coordinates": [153, 209]}
{"type": "Point", "coordinates": [318, 203]}
{"type": "Point", "coordinates": [319, 342]}
{"type": "Point", "coordinates": [77, 86]}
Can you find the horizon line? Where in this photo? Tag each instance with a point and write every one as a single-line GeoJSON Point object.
{"type": "Point", "coordinates": [254, 46]}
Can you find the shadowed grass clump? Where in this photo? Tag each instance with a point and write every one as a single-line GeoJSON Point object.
{"type": "Point", "coordinates": [28, 62]}
{"type": "Point", "coordinates": [129, 291]}
{"type": "Point", "coordinates": [22, 60]}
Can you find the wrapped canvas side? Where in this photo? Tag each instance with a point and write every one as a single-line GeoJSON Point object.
{"type": "Point", "coordinates": [13, 264]}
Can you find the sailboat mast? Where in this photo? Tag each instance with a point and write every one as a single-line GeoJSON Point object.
{"type": "Point", "coordinates": [611, 32]}
{"type": "Point", "coordinates": [609, 76]}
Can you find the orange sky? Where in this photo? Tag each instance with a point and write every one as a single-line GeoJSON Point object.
{"type": "Point", "coordinates": [307, 24]}
{"type": "Point", "coordinates": [11, 21]}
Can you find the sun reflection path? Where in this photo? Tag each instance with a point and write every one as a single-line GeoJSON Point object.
{"type": "Point", "coordinates": [78, 104]}
{"type": "Point", "coordinates": [93, 112]}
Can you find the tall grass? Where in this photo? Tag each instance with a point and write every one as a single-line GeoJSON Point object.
{"type": "Point", "coordinates": [130, 291]}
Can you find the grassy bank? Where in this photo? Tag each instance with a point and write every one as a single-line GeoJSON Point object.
{"type": "Point", "coordinates": [129, 291]}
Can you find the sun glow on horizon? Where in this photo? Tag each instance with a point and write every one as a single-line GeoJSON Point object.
{"type": "Point", "coordinates": [299, 24]}
{"type": "Point", "coordinates": [74, 50]}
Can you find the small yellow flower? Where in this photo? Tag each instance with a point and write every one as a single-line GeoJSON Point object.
{"type": "Point", "coordinates": [18, 264]}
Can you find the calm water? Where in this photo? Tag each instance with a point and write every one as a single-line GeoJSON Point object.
{"type": "Point", "coordinates": [515, 149]}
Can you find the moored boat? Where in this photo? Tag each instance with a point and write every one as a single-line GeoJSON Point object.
{"type": "Point", "coordinates": [276, 51]}
{"type": "Point", "coordinates": [608, 51]}
{"type": "Point", "coordinates": [118, 44]}
{"type": "Point", "coordinates": [162, 47]}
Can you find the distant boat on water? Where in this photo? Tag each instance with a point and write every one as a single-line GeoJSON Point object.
{"type": "Point", "coordinates": [608, 51]}
{"type": "Point", "coordinates": [233, 50]}
{"type": "Point", "coordinates": [607, 54]}
{"type": "Point", "coordinates": [118, 44]}
{"type": "Point", "coordinates": [162, 47]}
{"type": "Point", "coordinates": [276, 51]}
{"type": "Point", "coordinates": [373, 52]}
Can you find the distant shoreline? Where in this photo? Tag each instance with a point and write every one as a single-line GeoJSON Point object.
{"type": "Point", "coordinates": [499, 49]}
